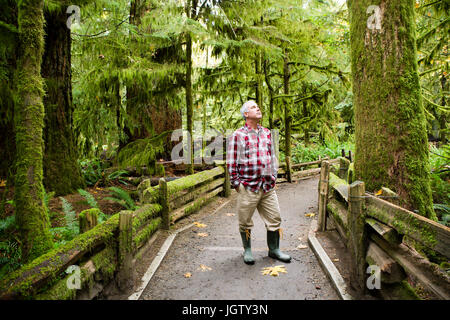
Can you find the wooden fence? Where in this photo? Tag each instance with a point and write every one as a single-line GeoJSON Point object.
{"type": "Point", "coordinates": [108, 251]}
{"type": "Point", "coordinates": [379, 232]}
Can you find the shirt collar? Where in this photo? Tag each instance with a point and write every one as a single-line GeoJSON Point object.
{"type": "Point", "coordinates": [248, 128]}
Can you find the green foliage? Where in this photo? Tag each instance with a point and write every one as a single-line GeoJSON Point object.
{"type": "Point", "coordinates": [118, 174]}
{"type": "Point", "coordinates": [10, 257]}
{"type": "Point", "coordinates": [71, 228]}
{"type": "Point", "coordinates": [92, 171]}
{"type": "Point", "coordinates": [302, 153]}
{"type": "Point", "coordinates": [7, 223]}
{"type": "Point", "coordinates": [89, 198]}
{"type": "Point", "coordinates": [122, 197]}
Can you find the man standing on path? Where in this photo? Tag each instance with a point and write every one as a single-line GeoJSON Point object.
{"type": "Point", "coordinates": [252, 164]}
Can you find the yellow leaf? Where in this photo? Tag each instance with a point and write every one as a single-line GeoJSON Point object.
{"type": "Point", "coordinates": [231, 214]}
{"type": "Point", "coordinates": [310, 215]}
{"type": "Point", "coordinates": [379, 192]}
{"type": "Point", "coordinates": [205, 268]}
{"type": "Point", "coordinates": [336, 260]}
{"type": "Point", "coordinates": [302, 246]}
{"type": "Point", "coordinates": [202, 234]}
{"type": "Point", "coordinates": [187, 275]}
{"type": "Point", "coordinates": [2, 183]}
{"type": "Point", "coordinates": [200, 225]}
{"type": "Point", "coordinates": [273, 271]}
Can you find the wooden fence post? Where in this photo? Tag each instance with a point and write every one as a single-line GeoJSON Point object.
{"type": "Point", "coordinates": [227, 186]}
{"type": "Point", "coordinates": [125, 276]}
{"type": "Point", "coordinates": [323, 195]}
{"type": "Point", "coordinates": [164, 201]}
{"type": "Point", "coordinates": [357, 241]}
{"type": "Point", "coordinates": [88, 219]}
{"type": "Point", "coordinates": [344, 163]}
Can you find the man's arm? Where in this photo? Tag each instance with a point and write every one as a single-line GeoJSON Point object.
{"type": "Point", "coordinates": [232, 161]}
{"type": "Point", "coordinates": [274, 159]}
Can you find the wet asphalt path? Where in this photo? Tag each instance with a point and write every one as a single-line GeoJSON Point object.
{"type": "Point", "coordinates": [215, 261]}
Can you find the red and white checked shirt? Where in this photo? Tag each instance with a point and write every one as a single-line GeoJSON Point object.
{"type": "Point", "coordinates": [251, 159]}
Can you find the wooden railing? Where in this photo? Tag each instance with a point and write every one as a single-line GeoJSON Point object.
{"type": "Point", "coordinates": [108, 251]}
{"type": "Point", "coordinates": [374, 231]}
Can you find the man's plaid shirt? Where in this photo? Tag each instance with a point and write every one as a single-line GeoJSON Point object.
{"type": "Point", "coordinates": [251, 159]}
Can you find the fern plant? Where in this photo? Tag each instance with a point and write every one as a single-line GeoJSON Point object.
{"type": "Point", "coordinates": [122, 197]}
{"type": "Point", "coordinates": [71, 229]}
{"type": "Point", "coordinates": [89, 198]}
{"type": "Point", "coordinates": [10, 257]}
{"type": "Point", "coordinates": [7, 223]}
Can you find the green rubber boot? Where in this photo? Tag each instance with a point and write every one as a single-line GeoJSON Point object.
{"type": "Point", "coordinates": [273, 242]}
{"type": "Point", "coordinates": [246, 241]}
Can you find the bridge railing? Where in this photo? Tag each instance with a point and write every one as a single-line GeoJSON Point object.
{"type": "Point", "coordinates": [380, 233]}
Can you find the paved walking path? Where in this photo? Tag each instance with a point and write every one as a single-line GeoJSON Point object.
{"type": "Point", "coordinates": [215, 261]}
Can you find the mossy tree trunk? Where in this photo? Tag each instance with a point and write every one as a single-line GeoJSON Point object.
{"type": "Point", "coordinates": [190, 9]}
{"type": "Point", "coordinates": [61, 171]}
{"type": "Point", "coordinates": [390, 128]}
{"type": "Point", "coordinates": [31, 215]}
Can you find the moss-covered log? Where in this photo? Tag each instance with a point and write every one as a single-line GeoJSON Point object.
{"type": "Point", "coordinates": [31, 215]}
{"type": "Point", "coordinates": [61, 171]}
{"type": "Point", "coordinates": [180, 186]}
{"type": "Point", "coordinates": [428, 232]}
{"type": "Point", "coordinates": [27, 280]}
{"type": "Point", "coordinates": [103, 264]}
{"type": "Point", "coordinates": [194, 206]}
{"type": "Point", "coordinates": [390, 124]}
{"type": "Point", "coordinates": [340, 186]}
{"type": "Point", "coordinates": [183, 199]}
{"type": "Point", "coordinates": [144, 214]}
{"type": "Point", "coordinates": [147, 231]}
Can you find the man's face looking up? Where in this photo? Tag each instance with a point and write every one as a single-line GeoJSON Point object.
{"type": "Point", "coordinates": [253, 112]}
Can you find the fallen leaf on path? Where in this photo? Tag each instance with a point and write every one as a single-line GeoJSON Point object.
{"type": "Point", "coordinates": [205, 268]}
{"type": "Point", "coordinates": [310, 215]}
{"type": "Point", "coordinates": [302, 246]}
{"type": "Point", "coordinates": [188, 275]}
{"type": "Point", "coordinates": [273, 271]}
{"type": "Point", "coordinates": [202, 234]}
{"type": "Point", "coordinates": [231, 214]}
{"type": "Point", "coordinates": [336, 260]}
{"type": "Point", "coordinates": [200, 225]}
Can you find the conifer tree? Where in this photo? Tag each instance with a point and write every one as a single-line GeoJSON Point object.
{"type": "Point", "coordinates": [31, 215]}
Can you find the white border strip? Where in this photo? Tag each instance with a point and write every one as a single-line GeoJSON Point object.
{"type": "Point", "coordinates": [160, 256]}
{"type": "Point", "coordinates": [331, 270]}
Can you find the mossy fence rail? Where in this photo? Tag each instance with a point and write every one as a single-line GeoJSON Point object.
{"type": "Point", "coordinates": [378, 232]}
{"type": "Point", "coordinates": [105, 254]}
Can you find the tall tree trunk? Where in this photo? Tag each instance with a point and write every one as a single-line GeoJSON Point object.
{"type": "Point", "coordinates": [266, 68]}
{"type": "Point", "coordinates": [189, 102]}
{"type": "Point", "coordinates": [190, 9]}
{"type": "Point", "coordinates": [61, 171]}
{"type": "Point", "coordinates": [390, 128]}
{"type": "Point", "coordinates": [287, 117]}
{"type": "Point", "coordinates": [31, 215]}
{"type": "Point", "coordinates": [259, 80]}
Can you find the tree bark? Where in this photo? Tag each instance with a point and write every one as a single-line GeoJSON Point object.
{"type": "Point", "coordinates": [390, 127]}
{"type": "Point", "coordinates": [31, 215]}
{"type": "Point", "coordinates": [61, 171]}
{"type": "Point", "coordinates": [287, 118]}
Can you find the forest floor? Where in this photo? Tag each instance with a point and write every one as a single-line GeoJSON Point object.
{"type": "Point", "coordinates": [205, 260]}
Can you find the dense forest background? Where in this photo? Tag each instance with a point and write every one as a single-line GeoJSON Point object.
{"type": "Point", "coordinates": [120, 76]}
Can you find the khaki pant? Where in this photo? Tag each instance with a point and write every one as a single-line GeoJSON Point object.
{"type": "Point", "coordinates": [266, 203]}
